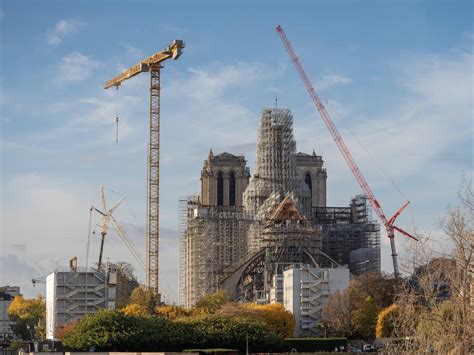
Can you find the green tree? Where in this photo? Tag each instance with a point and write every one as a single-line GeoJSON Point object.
{"type": "Point", "coordinates": [211, 303]}
{"type": "Point", "coordinates": [214, 331]}
{"type": "Point", "coordinates": [274, 316]}
{"type": "Point", "coordinates": [144, 298]}
{"type": "Point", "coordinates": [113, 330]}
{"type": "Point", "coordinates": [28, 316]}
{"type": "Point", "coordinates": [116, 331]}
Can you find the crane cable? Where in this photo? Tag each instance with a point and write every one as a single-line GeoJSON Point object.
{"type": "Point", "coordinates": [117, 114]}
{"type": "Point", "coordinates": [384, 174]}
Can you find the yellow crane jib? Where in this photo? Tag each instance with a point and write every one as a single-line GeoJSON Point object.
{"type": "Point", "coordinates": [152, 65]}
{"type": "Point", "coordinates": [174, 51]}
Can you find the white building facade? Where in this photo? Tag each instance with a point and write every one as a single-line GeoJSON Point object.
{"type": "Point", "coordinates": [306, 291]}
{"type": "Point", "coordinates": [70, 295]}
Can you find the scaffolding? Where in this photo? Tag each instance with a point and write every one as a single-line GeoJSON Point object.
{"type": "Point", "coordinates": [213, 242]}
{"type": "Point", "coordinates": [280, 224]}
{"type": "Point", "coordinates": [306, 292]}
{"type": "Point", "coordinates": [350, 236]}
{"type": "Point", "coordinates": [275, 172]}
{"type": "Point", "coordinates": [182, 227]}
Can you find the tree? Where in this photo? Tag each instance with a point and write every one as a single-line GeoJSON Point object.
{"type": "Point", "coordinates": [337, 314]}
{"type": "Point", "coordinates": [172, 312]}
{"type": "Point", "coordinates": [62, 331]}
{"type": "Point", "coordinates": [134, 309]}
{"type": "Point", "coordinates": [353, 312]}
{"type": "Point", "coordinates": [144, 298]}
{"type": "Point", "coordinates": [28, 316]}
{"type": "Point", "coordinates": [274, 316]}
{"type": "Point", "coordinates": [126, 283]}
{"type": "Point", "coordinates": [385, 321]}
{"type": "Point", "coordinates": [215, 331]}
{"type": "Point", "coordinates": [436, 311]}
{"type": "Point", "coordinates": [115, 331]}
{"type": "Point", "coordinates": [211, 303]}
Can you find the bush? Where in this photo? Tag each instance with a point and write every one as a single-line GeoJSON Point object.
{"type": "Point", "coordinates": [113, 330]}
{"type": "Point", "coordinates": [116, 331]}
{"type": "Point", "coordinates": [221, 332]}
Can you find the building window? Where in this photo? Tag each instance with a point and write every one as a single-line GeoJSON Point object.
{"type": "Point", "coordinates": [232, 190]}
{"type": "Point", "coordinates": [220, 190]}
{"type": "Point", "coordinates": [308, 181]}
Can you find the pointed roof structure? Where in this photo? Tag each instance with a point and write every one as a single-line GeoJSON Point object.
{"type": "Point", "coordinates": [286, 210]}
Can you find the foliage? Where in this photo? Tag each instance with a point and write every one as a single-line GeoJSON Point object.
{"type": "Point", "coordinates": [440, 321]}
{"type": "Point", "coordinates": [144, 298]}
{"type": "Point", "coordinates": [353, 312]}
{"type": "Point", "coordinates": [211, 303]}
{"type": "Point", "coordinates": [18, 344]}
{"type": "Point", "coordinates": [274, 316]}
{"type": "Point", "coordinates": [126, 283]}
{"type": "Point", "coordinates": [62, 331]}
{"type": "Point", "coordinates": [172, 312]}
{"type": "Point", "coordinates": [135, 310]}
{"type": "Point", "coordinates": [364, 317]}
{"type": "Point", "coordinates": [114, 330]}
{"type": "Point", "coordinates": [28, 316]}
{"type": "Point", "coordinates": [337, 313]}
{"type": "Point", "coordinates": [385, 321]}
{"type": "Point", "coordinates": [213, 331]}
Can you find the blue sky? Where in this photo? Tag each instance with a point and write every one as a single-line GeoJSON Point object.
{"type": "Point", "coordinates": [396, 77]}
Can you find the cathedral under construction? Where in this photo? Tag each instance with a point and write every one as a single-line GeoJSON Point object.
{"type": "Point", "coordinates": [243, 231]}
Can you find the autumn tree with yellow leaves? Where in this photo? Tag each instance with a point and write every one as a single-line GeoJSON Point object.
{"type": "Point", "coordinates": [28, 317]}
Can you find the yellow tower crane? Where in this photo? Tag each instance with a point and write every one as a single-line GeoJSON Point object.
{"type": "Point", "coordinates": [152, 64]}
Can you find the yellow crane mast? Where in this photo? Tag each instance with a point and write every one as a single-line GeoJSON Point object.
{"type": "Point", "coordinates": [152, 64]}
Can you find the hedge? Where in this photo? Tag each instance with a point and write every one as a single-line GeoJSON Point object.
{"type": "Point", "coordinates": [316, 344]}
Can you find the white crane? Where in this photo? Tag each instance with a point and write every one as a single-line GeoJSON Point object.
{"type": "Point", "coordinates": [106, 218]}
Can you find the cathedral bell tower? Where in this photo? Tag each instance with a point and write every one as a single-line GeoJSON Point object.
{"type": "Point", "coordinates": [224, 178]}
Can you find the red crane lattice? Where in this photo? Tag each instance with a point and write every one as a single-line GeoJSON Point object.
{"type": "Point", "coordinates": [388, 223]}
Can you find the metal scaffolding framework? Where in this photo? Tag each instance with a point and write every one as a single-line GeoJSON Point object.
{"type": "Point", "coordinates": [154, 181]}
{"type": "Point", "coordinates": [245, 249]}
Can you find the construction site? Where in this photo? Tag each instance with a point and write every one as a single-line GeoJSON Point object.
{"type": "Point", "coordinates": [266, 236]}
{"type": "Point", "coordinates": [243, 232]}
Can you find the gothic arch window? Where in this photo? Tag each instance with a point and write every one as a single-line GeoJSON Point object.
{"type": "Point", "coordinates": [309, 181]}
{"type": "Point", "coordinates": [220, 189]}
{"type": "Point", "coordinates": [232, 189]}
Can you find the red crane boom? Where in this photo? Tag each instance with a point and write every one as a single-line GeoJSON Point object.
{"type": "Point", "coordinates": [388, 223]}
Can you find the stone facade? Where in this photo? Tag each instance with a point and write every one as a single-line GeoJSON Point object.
{"type": "Point", "coordinates": [224, 178]}
{"type": "Point", "coordinates": [242, 232]}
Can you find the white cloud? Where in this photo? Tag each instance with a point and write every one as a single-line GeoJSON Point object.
{"type": "Point", "coordinates": [46, 224]}
{"type": "Point", "coordinates": [330, 80]}
{"type": "Point", "coordinates": [62, 28]}
{"type": "Point", "coordinates": [75, 67]}
{"type": "Point", "coordinates": [209, 82]}
{"type": "Point", "coordinates": [410, 141]}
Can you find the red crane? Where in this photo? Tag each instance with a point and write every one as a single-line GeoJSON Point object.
{"type": "Point", "coordinates": [388, 223]}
